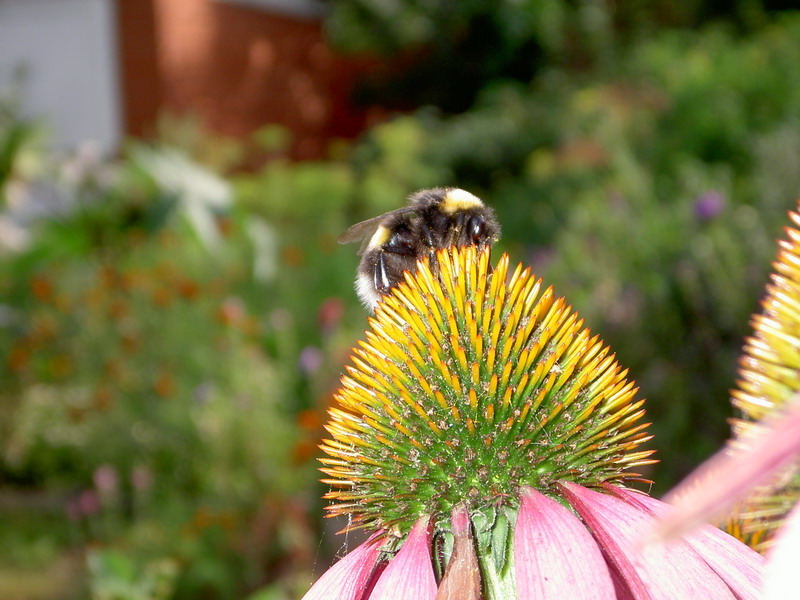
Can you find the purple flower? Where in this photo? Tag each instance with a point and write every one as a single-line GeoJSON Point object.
{"type": "Point", "coordinates": [310, 360]}
{"type": "Point", "coordinates": [141, 478]}
{"type": "Point", "coordinates": [708, 205]}
{"type": "Point", "coordinates": [330, 314]}
{"type": "Point", "coordinates": [89, 503]}
{"type": "Point", "coordinates": [105, 479]}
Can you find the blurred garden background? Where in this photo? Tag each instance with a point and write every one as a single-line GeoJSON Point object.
{"type": "Point", "coordinates": [175, 311]}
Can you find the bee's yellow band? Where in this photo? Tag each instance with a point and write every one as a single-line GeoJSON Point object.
{"type": "Point", "coordinates": [458, 199]}
{"type": "Point", "coordinates": [379, 238]}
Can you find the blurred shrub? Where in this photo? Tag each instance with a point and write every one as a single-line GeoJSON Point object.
{"type": "Point", "coordinates": [146, 384]}
{"type": "Point", "coordinates": [444, 53]}
{"type": "Point", "coordinates": [114, 577]}
{"type": "Point", "coordinates": [21, 139]}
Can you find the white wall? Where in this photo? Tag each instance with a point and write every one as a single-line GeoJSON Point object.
{"type": "Point", "coordinates": [70, 47]}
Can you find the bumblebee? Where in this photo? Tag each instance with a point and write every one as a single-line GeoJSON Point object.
{"type": "Point", "coordinates": [395, 241]}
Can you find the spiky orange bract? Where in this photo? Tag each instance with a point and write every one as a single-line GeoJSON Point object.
{"type": "Point", "coordinates": [469, 385]}
{"type": "Point", "coordinates": [769, 378]}
{"type": "Point", "coordinates": [770, 365]}
{"type": "Point", "coordinates": [755, 520]}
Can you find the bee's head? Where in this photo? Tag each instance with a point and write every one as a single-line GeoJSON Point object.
{"type": "Point", "coordinates": [471, 221]}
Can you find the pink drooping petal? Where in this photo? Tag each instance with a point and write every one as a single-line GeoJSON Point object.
{"type": "Point", "coordinates": [409, 575]}
{"type": "Point", "coordinates": [723, 479]}
{"type": "Point", "coordinates": [739, 566]}
{"type": "Point", "coordinates": [668, 571]}
{"type": "Point", "coordinates": [347, 579]}
{"type": "Point", "coordinates": [462, 576]}
{"type": "Point", "coordinates": [783, 561]}
{"type": "Point", "coordinates": [555, 556]}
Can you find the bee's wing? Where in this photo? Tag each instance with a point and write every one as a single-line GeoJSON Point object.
{"type": "Point", "coordinates": [366, 229]}
{"type": "Point", "coordinates": [357, 232]}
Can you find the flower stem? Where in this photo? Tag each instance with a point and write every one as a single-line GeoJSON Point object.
{"type": "Point", "coordinates": [496, 555]}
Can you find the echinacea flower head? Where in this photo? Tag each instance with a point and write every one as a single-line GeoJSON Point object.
{"type": "Point", "coordinates": [756, 478]}
{"type": "Point", "coordinates": [768, 397]}
{"type": "Point", "coordinates": [488, 440]}
{"type": "Point", "coordinates": [471, 384]}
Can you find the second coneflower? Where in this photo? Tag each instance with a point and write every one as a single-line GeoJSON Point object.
{"type": "Point", "coordinates": [487, 439]}
{"type": "Point", "coordinates": [760, 467]}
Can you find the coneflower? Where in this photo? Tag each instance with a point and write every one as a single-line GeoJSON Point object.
{"type": "Point", "coordinates": [759, 467]}
{"type": "Point", "coordinates": [488, 441]}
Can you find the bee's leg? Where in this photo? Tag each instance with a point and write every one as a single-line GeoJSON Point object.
{"type": "Point", "coordinates": [380, 276]}
{"type": "Point", "coordinates": [427, 235]}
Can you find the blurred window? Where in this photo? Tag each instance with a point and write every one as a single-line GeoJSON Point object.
{"type": "Point", "coordinates": [68, 49]}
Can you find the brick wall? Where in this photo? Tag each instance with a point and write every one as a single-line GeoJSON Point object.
{"type": "Point", "coordinates": [238, 68]}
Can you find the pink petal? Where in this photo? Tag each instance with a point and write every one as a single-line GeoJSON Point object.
{"type": "Point", "coordinates": [460, 520]}
{"type": "Point", "coordinates": [409, 575]}
{"type": "Point", "coordinates": [780, 581]}
{"type": "Point", "coordinates": [347, 579]}
{"type": "Point", "coordinates": [667, 571]}
{"type": "Point", "coordinates": [725, 477]}
{"type": "Point", "coordinates": [741, 567]}
{"type": "Point", "coordinates": [555, 556]}
{"type": "Point", "coordinates": [462, 577]}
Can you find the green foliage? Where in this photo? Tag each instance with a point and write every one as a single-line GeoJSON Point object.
{"type": "Point", "coordinates": [113, 576]}
{"type": "Point", "coordinates": [445, 53]}
{"type": "Point", "coordinates": [20, 137]}
{"type": "Point", "coordinates": [153, 384]}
